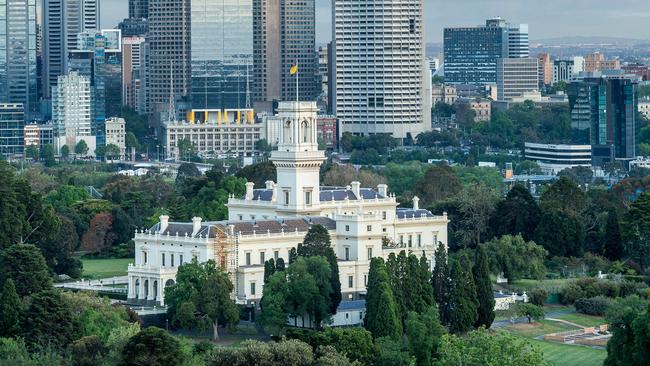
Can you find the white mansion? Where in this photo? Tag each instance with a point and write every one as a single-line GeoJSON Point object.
{"type": "Point", "coordinates": [268, 221]}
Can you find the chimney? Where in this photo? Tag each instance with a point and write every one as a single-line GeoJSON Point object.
{"type": "Point", "coordinates": [269, 184]}
{"type": "Point", "coordinates": [249, 191]}
{"type": "Point", "coordinates": [382, 189]}
{"type": "Point", "coordinates": [231, 229]}
{"type": "Point", "coordinates": [416, 203]}
{"type": "Point", "coordinates": [164, 223]}
{"type": "Point", "coordinates": [356, 189]}
{"type": "Point", "coordinates": [196, 225]}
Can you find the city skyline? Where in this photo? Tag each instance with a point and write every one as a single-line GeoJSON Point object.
{"type": "Point", "coordinates": [577, 18]}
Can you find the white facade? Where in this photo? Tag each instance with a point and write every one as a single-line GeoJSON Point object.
{"type": "Point", "coordinates": [116, 134]}
{"type": "Point", "coordinates": [644, 107]}
{"type": "Point", "coordinates": [552, 159]}
{"type": "Point", "coordinates": [382, 78]}
{"type": "Point", "coordinates": [515, 76]}
{"type": "Point", "coordinates": [268, 222]}
{"type": "Point", "coordinates": [215, 132]}
{"type": "Point", "coordinates": [72, 111]}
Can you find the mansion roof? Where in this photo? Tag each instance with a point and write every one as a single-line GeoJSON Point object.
{"type": "Point", "coordinates": [327, 194]}
{"type": "Point", "coordinates": [211, 229]}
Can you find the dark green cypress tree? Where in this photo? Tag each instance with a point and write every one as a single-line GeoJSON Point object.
{"type": "Point", "coordinates": [462, 300]}
{"type": "Point", "coordinates": [381, 317]}
{"type": "Point", "coordinates": [613, 238]}
{"type": "Point", "coordinates": [293, 254]}
{"type": "Point", "coordinates": [10, 306]}
{"type": "Point", "coordinates": [484, 293]}
{"type": "Point", "coordinates": [279, 265]}
{"type": "Point", "coordinates": [424, 276]}
{"type": "Point", "coordinates": [317, 242]}
{"type": "Point", "coordinates": [440, 282]}
{"type": "Point", "coordinates": [269, 269]}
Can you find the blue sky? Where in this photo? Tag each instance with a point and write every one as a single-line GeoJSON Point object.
{"type": "Point", "coordinates": [547, 18]}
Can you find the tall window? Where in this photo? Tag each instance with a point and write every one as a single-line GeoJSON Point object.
{"type": "Point", "coordinates": [369, 253]}
{"type": "Point", "coordinates": [144, 255]}
{"type": "Point", "coordinates": [180, 260]}
{"type": "Point", "coordinates": [286, 198]}
{"type": "Point", "coordinates": [248, 259]}
{"type": "Point", "coordinates": [276, 255]}
{"type": "Point", "coordinates": [347, 254]}
{"type": "Point", "coordinates": [419, 240]}
{"type": "Point", "coordinates": [163, 259]}
{"type": "Point", "coordinates": [252, 288]}
{"type": "Point", "coordinates": [172, 259]}
{"type": "Point", "coordinates": [350, 282]}
{"type": "Point", "coordinates": [410, 241]}
{"type": "Point", "coordinates": [262, 259]}
{"type": "Point", "coordinates": [308, 198]}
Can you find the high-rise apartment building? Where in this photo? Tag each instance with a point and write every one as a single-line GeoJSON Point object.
{"type": "Point", "coordinates": [381, 76]}
{"type": "Point", "coordinates": [604, 115]}
{"type": "Point", "coordinates": [132, 62]}
{"type": "Point", "coordinates": [284, 34]}
{"type": "Point", "coordinates": [133, 27]}
{"type": "Point", "coordinates": [138, 9]}
{"type": "Point", "coordinates": [169, 54]}
{"type": "Point", "coordinates": [563, 70]}
{"type": "Point", "coordinates": [18, 73]}
{"type": "Point", "coordinates": [63, 20]}
{"type": "Point", "coordinates": [545, 69]}
{"type": "Point", "coordinates": [12, 126]}
{"type": "Point", "coordinates": [72, 111]}
{"type": "Point", "coordinates": [515, 76]}
{"type": "Point", "coordinates": [471, 53]}
{"type": "Point", "coordinates": [222, 54]}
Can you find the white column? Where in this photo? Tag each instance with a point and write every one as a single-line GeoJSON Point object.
{"type": "Point", "coordinates": [150, 294]}
{"type": "Point", "coordinates": [141, 288]}
{"type": "Point", "coordinates": [161, 292]}
{"type": "Point", "coordinates": [132, 289]}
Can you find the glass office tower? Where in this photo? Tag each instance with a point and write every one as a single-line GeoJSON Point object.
{"type": "Point", "coordinates": [18, 76]}
{"type": "Point", "coordinates": [222, 54]}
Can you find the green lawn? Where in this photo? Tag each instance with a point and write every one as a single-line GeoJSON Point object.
{"type": "Point", "coordinates": [539, 328]}
{"type": "Point", "coordinates": [549, 285]}
{"type": "Point", "coordinates": [582, 319]}
{"type": "Point", "coordinates": [103, 268]}
{"type": "Point", "coordinates": [568, 355]}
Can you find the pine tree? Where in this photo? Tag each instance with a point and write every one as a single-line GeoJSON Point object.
{"type": "Point", "coordinates": [381, 311]}
{"type": "Point", "coordinates": [440, 282]}
{"type": "Point", "coordinates": [613, 238]}
{"type": "Point", "coordinates": [10, 306]}
{"type": "Point", "coordinates": [484, 291]}
{"type": "Point", "coordinates": [293, 254]}
{"type": "Point", "coordinates": [462, 300]}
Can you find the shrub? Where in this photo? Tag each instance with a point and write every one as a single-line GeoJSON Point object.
{"type": "Point", "coordinates": [538, 296]}
{"type": "Point", "coordinates": [570, 293]}
{"type": "Point", "coordinates": [606, 288]}
{"type": "Point", "coordinates": [629, 288]}
{"type": "Point", "coordinates": [592, 306]}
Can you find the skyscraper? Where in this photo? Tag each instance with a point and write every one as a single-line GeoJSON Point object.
{"type": "Point", "coordinates": [99, 57]}
{"type": "Point", "coordinates": [138, 9]}
{"type": "Point", "coordinates": [471, 53]}
{"type": "Point", "coordinates": [18, 73]}
{"type": "Point", "coordinates": [222, 54]}
{"type": "Point", "coordinates": [284, 34]}
{"type": "Point", "coordinates": [603, 114]}
{"type": "Point", "coordinates": [63, 20]}
{"type": "Point", "coordinates": [132, 63]}
{"type": "Point", "coordinates": [169, 54]}
{"type": "Point", "coordinates": [382, 79]}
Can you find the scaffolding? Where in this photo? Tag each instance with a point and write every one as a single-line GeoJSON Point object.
{"type": "Point", "coordinates": [224, 249]}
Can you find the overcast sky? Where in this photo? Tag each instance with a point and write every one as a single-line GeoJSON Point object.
{"type": "Point", "coordinates": [547, 18]}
